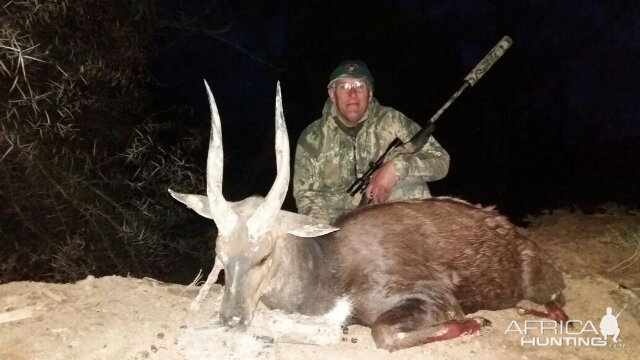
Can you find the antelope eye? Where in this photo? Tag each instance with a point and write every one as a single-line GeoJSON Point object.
{"type": "Point", "coordinates": [263, 260]}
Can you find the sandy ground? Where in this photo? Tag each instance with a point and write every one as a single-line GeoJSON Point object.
{"type": "Point", "coordinates": [126, 318]}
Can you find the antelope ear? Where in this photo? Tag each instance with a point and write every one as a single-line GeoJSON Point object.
{"type": "Point", "coordinates": [198, 203]}
{"type": "Point", "coordinates": [302, 225]}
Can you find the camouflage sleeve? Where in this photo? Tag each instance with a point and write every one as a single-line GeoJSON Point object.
{"type": "Point", "coordinates": [303, 177]}
{"type": "Point", "coordinates": [430, 163]}
{"type": "Point", "coordinates": [306, 182]}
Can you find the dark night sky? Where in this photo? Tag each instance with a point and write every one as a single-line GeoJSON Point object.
{"type": "Point", "coordinates": [554, 122]}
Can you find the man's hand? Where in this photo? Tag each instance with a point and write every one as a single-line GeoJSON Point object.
{"type": "Point", "coordinates": [381, 184]}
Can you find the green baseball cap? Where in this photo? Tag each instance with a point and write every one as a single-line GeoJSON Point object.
{"type": "Point", "coordinates": [351, 69]}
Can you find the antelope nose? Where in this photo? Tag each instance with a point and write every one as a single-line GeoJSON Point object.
{"type": "Point", "coordinates": [233, 321]}
{"type": "Point", "coordinates": [236, 321]}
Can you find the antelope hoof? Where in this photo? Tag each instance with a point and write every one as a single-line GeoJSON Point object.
{"type": "Point", "coordinates": [483, 322]}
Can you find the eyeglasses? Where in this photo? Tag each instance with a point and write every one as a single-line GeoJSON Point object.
{"type": "Point", "coordinates": [345, 86]}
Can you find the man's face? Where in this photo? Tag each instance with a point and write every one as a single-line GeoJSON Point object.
{"type": "Point", "coordinates": [351, 97]}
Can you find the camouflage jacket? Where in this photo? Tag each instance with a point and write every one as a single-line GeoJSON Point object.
{"type": "Point", "coordinates": [328, 160]}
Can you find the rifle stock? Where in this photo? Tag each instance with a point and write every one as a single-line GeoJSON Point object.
{"type": "Point", "coordinates": [361, 183]}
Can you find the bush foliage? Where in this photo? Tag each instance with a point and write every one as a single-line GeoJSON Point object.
{"type": "Point", "coordinates": [84, 165]}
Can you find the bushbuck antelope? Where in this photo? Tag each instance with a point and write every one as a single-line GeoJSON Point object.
{"type": "Point", "coordinates": [411, 269]}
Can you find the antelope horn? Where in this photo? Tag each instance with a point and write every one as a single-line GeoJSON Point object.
{"type": "Point", "coordinates": [264, 216]}
{"type": "Point", "coordinates": [221, 212]}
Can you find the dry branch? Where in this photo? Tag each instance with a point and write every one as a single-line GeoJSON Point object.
{"type": "Point", "coordinates": [16, 315]}
{"type": "Point", "coordinates": [204, 290]}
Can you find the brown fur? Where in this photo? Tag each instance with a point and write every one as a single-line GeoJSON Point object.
{"type": "Point", "coordinates": [444, 256]}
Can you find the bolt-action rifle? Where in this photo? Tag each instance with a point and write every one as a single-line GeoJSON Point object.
{"type": "Point", "coordinates": [397, 147]}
